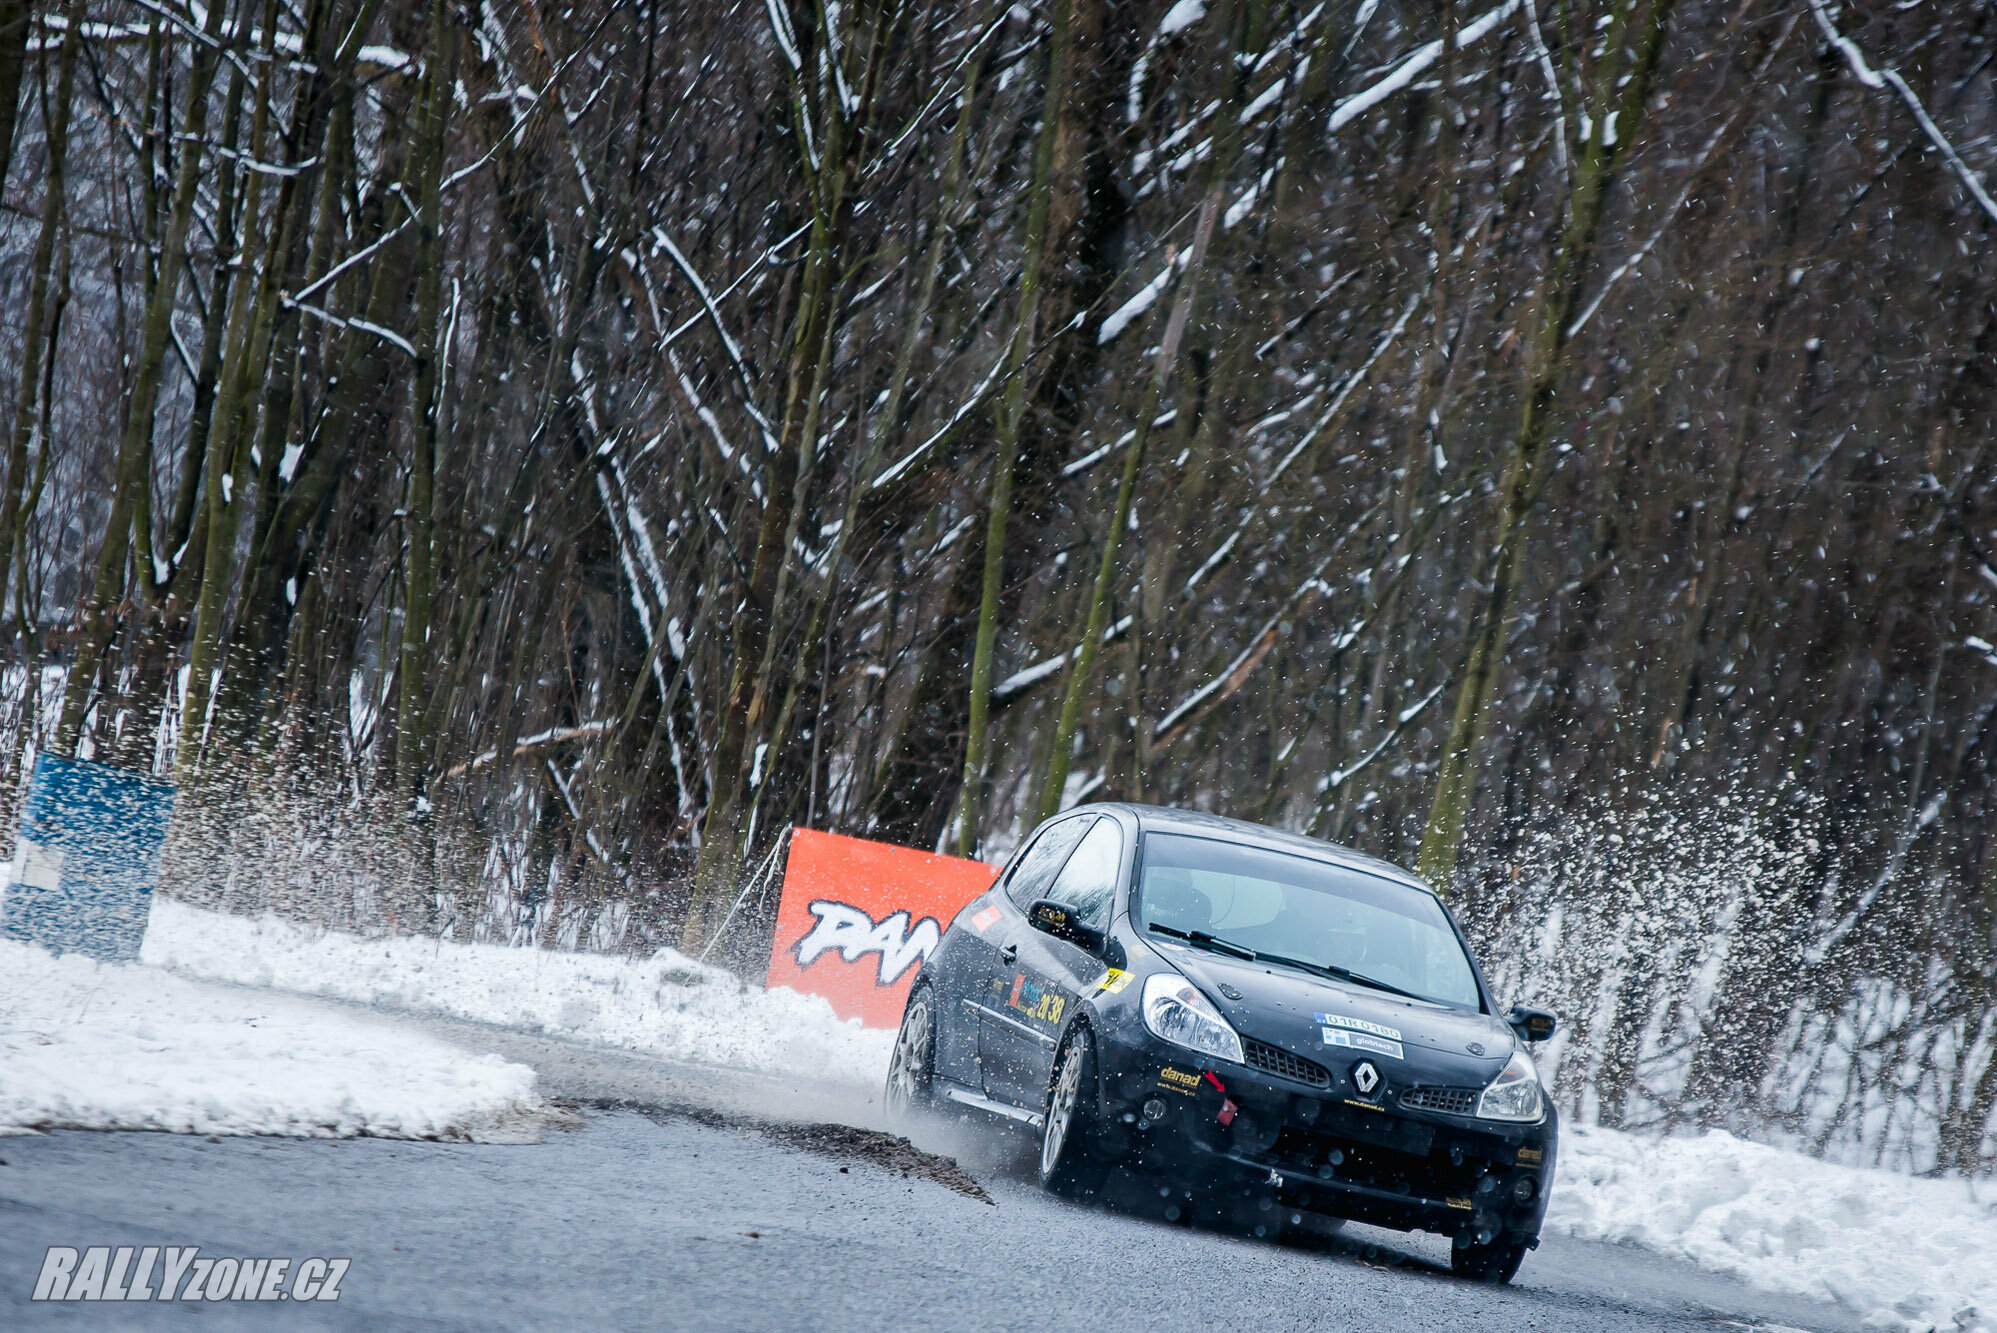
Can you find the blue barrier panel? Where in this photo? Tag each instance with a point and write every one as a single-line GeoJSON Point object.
{"type": "Point", "coordinates": [87, 859]}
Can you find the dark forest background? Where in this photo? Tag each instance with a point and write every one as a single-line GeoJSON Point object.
{"type": "Point", "coordinates": [510, 461]}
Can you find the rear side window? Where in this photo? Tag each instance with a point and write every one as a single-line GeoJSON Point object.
{"type": "Point", "coordinates": [1043, 860]}
{"type": "Point", "coordinates": [1088, 882]}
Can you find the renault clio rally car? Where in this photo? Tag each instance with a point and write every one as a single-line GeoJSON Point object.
{"type": "Point", "coordinates": [1241, 1014]}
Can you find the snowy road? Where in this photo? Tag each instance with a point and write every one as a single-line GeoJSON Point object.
{"type": "Point", "coordinates": [696, 1219]}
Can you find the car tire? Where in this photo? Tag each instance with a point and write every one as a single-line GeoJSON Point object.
{"type": "Point", "coordinates": [1068, 1161]}
{"type": "Point", "coordinates": [1494, 1261]}
{"type": "Point", "coordinates": [912, 1069]}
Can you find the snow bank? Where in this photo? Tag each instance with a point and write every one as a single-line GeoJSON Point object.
{"type": "Point", "coordinates": [667, 1005]}
{"type": "Point", "coordinates": [89, 1045]}
{"type": "Point", "coordinates": [1900, 1252]}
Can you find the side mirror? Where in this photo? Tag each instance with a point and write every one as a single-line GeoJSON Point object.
{"type": "Point", "coordinates": [1063, 922]}
{"type": "Point", "coordinates": [1531, 1024]}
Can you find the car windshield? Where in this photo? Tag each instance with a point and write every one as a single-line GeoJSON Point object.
{"type": "Point", "coordinates": [1295, 907]}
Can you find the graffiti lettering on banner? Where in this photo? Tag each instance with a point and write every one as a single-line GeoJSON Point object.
{"type": "Point", "coordinates": [858, 919]}
{"type": "Point", "coordinates": [855, 935]}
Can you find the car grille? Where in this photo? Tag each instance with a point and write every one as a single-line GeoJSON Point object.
{"type": "Point", "coordinates": [1449, 1101]}
{"type": "Point", "coordinates": [1275, 1060]}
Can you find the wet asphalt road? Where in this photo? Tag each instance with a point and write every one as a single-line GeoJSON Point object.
{"type": "Point", "coordinates": [697, 1218]}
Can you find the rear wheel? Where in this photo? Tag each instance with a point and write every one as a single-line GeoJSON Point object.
{"type": "Point", "coordinates": [1068, 1164]}
{"type": "Point", "coordinates": [912, 1069]}
{"type": "Point", "coordinates": [1493, 1261]}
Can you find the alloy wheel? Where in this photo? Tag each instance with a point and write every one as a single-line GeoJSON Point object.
{"type": "Point", "coordinates": [908, 1072]}
{"type": "Point", "coordinates": [1061, 1107]}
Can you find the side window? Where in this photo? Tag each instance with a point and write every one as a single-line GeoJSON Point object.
{"type": "Point", "coordinates": [1088, 882]}
{"type": "Point", "coordinates": [1043, 859]}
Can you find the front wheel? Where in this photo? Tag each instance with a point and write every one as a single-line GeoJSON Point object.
{"type": "Point", "coordinates": [913, 1066]}
{"type": "Point", "coordinates": [1494, 1261]}
{"type": "Point", "coordinates": [1067, 1163]}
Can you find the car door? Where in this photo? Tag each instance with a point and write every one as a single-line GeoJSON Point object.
{"type": "Point", "coordinates": [1047, 975]}
{"type": "Point", "coordinates": [987, 931]}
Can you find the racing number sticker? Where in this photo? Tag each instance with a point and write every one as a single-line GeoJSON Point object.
{"type": "Point", "coordinates": [1113, 981]}
{"type": "Point", "coordinates": [1032, 999]}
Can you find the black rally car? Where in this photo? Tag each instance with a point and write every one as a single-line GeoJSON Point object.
{"type": "Point", "coordinates": [1243, 1014]}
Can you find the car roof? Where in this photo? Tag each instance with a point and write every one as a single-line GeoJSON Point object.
{"type": "Point", "coordinates": [1198, 823]}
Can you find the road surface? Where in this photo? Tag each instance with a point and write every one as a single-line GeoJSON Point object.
{"type": "Point", "coordinates": [686, 1197]}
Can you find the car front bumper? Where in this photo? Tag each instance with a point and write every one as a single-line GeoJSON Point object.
{"type": "Point", "coordinates": [1232, 1129]}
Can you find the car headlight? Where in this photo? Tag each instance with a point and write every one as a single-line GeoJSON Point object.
{"type": "Point", "coordinates": [1175, 1011]}
{"type": "Point", "coordinates": [1514, 1094]}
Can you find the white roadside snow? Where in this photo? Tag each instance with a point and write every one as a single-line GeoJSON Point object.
{"type": "Point", "coordinates": [1899, 1252]}
{"type": "Point", "coordinates": [135, 1047]}
{"type": "Point", "coordinates": [89, 1045]}
{"type": "Point", "coordinates": [666, 1005]}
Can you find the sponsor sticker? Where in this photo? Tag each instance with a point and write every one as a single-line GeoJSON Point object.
{"type": "Point", "coordinates": [1359, 1041]}
{"type": "Point", "coordinates": [1529, 1154]}
{"type": "Point", "coordinates": [1113, 982]}
{"type": "Point", "coordinates": [1364, 1106]}
{"type": "Point", "coordinates": [986, 919]}
{"type": "Point", "coordinates": [181, 1272]}
{"type": "Point", "coordinates": [1178, 1080]}
{"type": "Point", "coordinates": [1463, 1204]}
{"type": "Point", "coordinates": [1033, 1000]}
{"type": "Point", "coordinates": [1359, 1025]}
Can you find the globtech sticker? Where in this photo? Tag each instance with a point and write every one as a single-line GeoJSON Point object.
{"type": "Point", "coordinates": [1360, 1041]}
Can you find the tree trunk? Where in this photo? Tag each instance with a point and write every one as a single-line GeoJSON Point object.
{"type": "Point", "coordinates": [34, 337]}
{"type": "Point", "coordinates": [1595, 177]}
{"type": "Point", "coordinates": [128, 530]}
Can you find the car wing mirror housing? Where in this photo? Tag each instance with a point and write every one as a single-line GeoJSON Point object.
{"type": "Point", "coordinates": [1531, 1024]}
{"type": "Point", "coordinates": [1063, 922]}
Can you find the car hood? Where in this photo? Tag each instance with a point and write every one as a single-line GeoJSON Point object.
{"type": "Point", "coordinates": [1281, 1006]}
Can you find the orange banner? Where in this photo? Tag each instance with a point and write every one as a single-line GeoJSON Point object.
{"type": "Point", "coordinates": [858, 918]}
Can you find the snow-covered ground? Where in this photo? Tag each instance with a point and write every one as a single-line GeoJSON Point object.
{"type": "Point", "coordinates": [88, 1045]}
{"type": "Point", "coordinates": [1900, 1252]}
{"type": "Point", "coordinates": [1903, 1253]}
{"type": "Point", "coordinates": [666, 1005]}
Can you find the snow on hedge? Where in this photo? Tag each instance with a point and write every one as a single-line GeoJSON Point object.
{"type": "Point", "coordinates": [1899, 1252]}
{"type": "Point", "coordinates": [89, 1045]}
{"type": "Point", "coordinates": [666, 1005]}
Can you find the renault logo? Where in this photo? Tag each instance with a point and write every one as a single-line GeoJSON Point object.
{"type": "Point", "coordinates": [1365, 1077]}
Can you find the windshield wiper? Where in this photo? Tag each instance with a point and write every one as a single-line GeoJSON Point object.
{"type": "Point", "coordinates": [1340, 974]}
{"type": "Point", "coordinates": [1206, 941]}
{"type": "Point", "coordinates": [1242, 951]}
